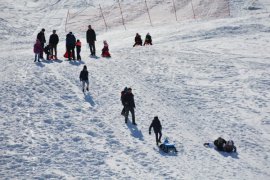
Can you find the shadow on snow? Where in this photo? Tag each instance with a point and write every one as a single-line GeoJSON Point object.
{"type": "Point", "coordinates": [135, 132]}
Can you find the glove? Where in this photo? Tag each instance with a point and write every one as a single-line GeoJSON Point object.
{"type": "Point", "coordinates": [149, 132]}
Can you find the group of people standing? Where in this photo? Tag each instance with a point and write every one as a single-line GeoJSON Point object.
{"type": "Point", "coordinates": [71, 43]}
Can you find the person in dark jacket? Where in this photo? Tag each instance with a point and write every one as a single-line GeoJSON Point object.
{"type": "Point", "coordinates": [156, 125]}
{"type": "Point", "coordinates": [47, 51]}
{"type": "Point", "coordinates": [70, 45]}
{"type": "Point", "coordinates": [148, 40]}
{"type": "Point", "coordinates": [42, 40]}
{"type": "Point", "coordinates": [84, 78]}
{"type": "Point", "coordinates": [91, 38]}
{"type": "Point", "coordinates": [53, 41]}
{"type": "Point", "coordinates": [122, 95]}
{"type": "Point", "coordinates": [129, 104]}
{"type": "Point", "coordinates": [138, 40]}
{"type": "Point", "coordinates": [223, 145]}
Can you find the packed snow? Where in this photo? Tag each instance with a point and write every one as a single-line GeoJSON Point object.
{"type": "Point", "coordinates": [204, 77]}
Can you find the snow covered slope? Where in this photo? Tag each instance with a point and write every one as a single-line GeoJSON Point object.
{"type": "Point", "coordinates": [204, 78]}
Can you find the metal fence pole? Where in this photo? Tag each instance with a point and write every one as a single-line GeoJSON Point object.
{"type": "Point", "coordinates": [174, 10]}
{"type": "Point", "coordinates": [103, 17]}
{"type": "Point", "coordinates": [121, 14]}
{"type": "Point", "coordinates": [148, 13]}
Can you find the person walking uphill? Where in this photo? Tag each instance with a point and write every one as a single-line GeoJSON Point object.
{"type": "Point", "coordinates": [84, 78]}
{"type": "Point", "coordinates": [129, 104]}
{"type": "Point", "coordinates": [156, 125]}
{"type": "Point", "coordinates": [70, 45]}
{"type": "Point", "coordinates": [91, 38]}
{"type": "Point", "coordinates": [42, 40]}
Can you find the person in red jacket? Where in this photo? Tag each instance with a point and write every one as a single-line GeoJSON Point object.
{"type": "Point", "coordinates": [78, 49]}
{"type": "Point", "coordinates": [37, 50]}
{"type": "Point", "coordinates": [105, 50]}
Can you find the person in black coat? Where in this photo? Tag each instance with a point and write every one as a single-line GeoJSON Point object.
{"type": "Point", "coordinates": [84, 78]}
{"type": "Point", "coordinates": [42, 40]}
{"type": "Point", "coordinates": [53, 41]}
{"type": "Point", "coordinates": [138, 40]}
{"type": "Point", "coordinates": [156, 125]}
{"type": "Point", "coordinates": [91, 38]}
{"type": "Point", "coordinates": [70, 44]}
{"type": "Point", "coordinates": [122, 100]}
{"type": "Point", "coordinates": [128, 100]}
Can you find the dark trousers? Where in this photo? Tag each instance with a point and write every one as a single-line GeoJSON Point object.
{"type": "Point", "coordinates": [131, 109]}
{"type": "Point", "coordinates": [92, 48]}
{"type": "Point", "coordinates": [54, 48]}
{"type": "Point", "coordinates": [71, 49]}
{"type": "Point", "coordinates": [78, 50]}
{"type": "Point", "coordinates": [41, 53]}
{"type": "Point", "coordinates": [158, 136]}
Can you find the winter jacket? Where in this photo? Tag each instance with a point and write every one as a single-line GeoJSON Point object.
{"type": "Point", "coordinates": [128, 100]}
{"type": "Point", "coordinates": [155, 125]}
{"type": "Point", "coordinates": [47, 49]}
{"type": "Point", "coordinates": [78, 44]}
{"type": "Point", "coordinates": [70, 40]}
{"type": "Point", "coordinates": [138, 39]}
{"type": "Point", "coordinates": [41, 37]}
{"type": "Point", "coordinates": [90, 35]}
{"type": "Point", "coordinates": [148, 38]}
{"type": "Point", "coordinates": [84, 75]}
{"type": "Point", "coordinates": [37, 48]}
{"type": "Point", "coordinates": [54, 39]}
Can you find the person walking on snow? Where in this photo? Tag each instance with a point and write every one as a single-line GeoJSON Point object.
{"type": "Point", "coordinates": [156, 125]}
{"type": "Point", "coordinates": [53, 41]}
{"type": "Point", "coordinates": [42, 40]}
{"type": "Point", "coordinates": [129, 104]}
{"type": "Point", "coordinates": [122, 100]}
{"type": "Point", "coordinates": [37, 50]}
{"type": "Point", "coordinates": [91, 38]}
{"type": "Point", "coordinates": [84, 78]}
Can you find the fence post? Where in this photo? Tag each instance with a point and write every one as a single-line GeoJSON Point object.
{"type": "Point", "coordinates": [174, 10]}
{"type": "Point", "coordinates": [121, 15]}
{"type": "Point", "coordinates": [103, 17]}
{"type": "Point", "coordinates": [66, 21]}
{"type": "Point", "coordinates": [229, 8]}
{"type": "Point", "coordinates": [193, 10]}
{"type": "Point", "coordinates": [148, 13]}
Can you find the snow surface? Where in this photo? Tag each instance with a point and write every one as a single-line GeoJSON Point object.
{"type": "Point", "coordinates": [205, 77]}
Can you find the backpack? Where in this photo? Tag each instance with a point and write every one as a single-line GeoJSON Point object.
{"type": "Point", "coordinates": [229, 146]}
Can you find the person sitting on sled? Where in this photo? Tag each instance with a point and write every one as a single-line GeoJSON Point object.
{"type": "Point", "coordinates": [223, 145]}
{"type": "Point", "coordinates": [138, 40]}
{"type": "Point", "coordinates": [105, 50]}
{"type": "Point", "coordinates": [148, 40]}
{"type": "Point", "coordinates": [157, 129]}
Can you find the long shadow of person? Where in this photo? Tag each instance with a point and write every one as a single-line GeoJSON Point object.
{"type": "Point", "coordinates": [89, 99]}
{"type": "Point", "coordinates": [227, 154]}
{"type": "Point", "coordinates": [135, 132]}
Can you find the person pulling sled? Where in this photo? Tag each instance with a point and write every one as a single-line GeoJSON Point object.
{"type": "Point", "coordinates": [156, 125]}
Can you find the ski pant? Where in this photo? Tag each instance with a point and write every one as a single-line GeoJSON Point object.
{"type": "Point", "coordinates": [158, 136]}
{"type": "Point", "coordinates": [37, 56]}
{"type": "Point", "coordinates": [78, 50]}
{"type": "Point", "coordinates": [71, 49]}
{"type": "Point", "coordinates": [54, 48]}
{"type": "Point", "coordinates": [92, 48]}
{"type": "Point", "coordinates": [85, 82]}
{"type": "Point", "coordinates": [41, 53]}
{"type": "Point", "coordinates": [131, 109]}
